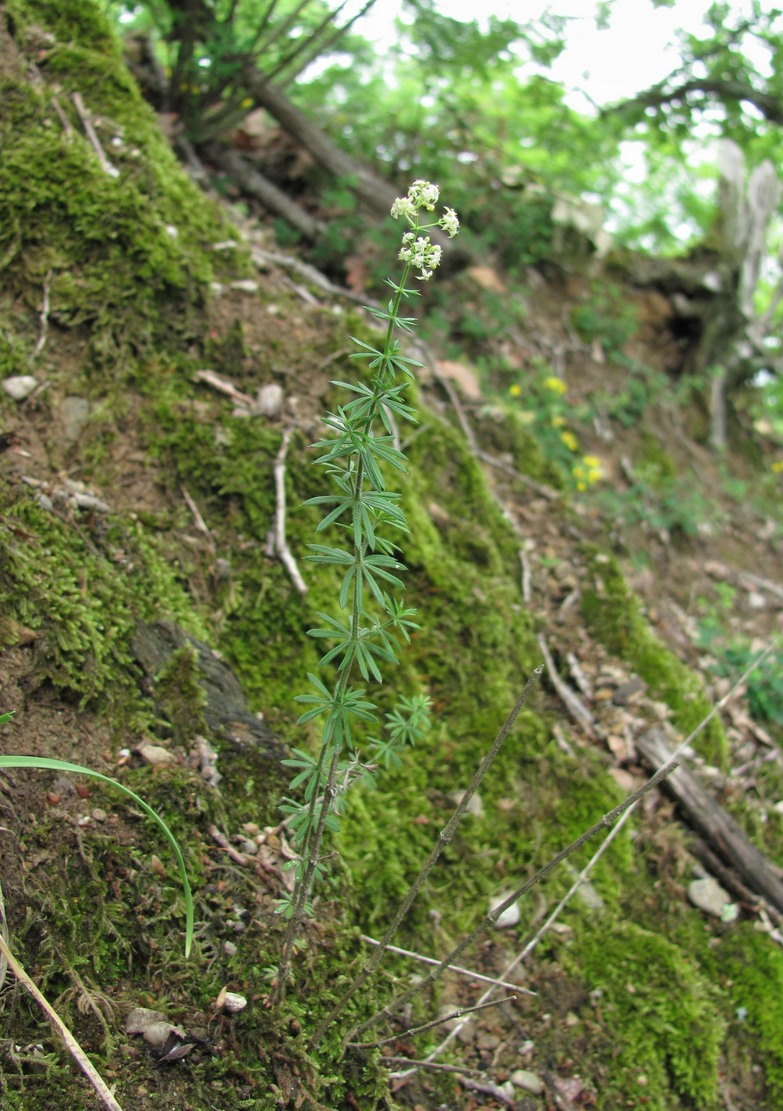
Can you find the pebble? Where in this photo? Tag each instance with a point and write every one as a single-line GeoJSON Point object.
{"type": "Point", "coordinates": [629, 692]}
{"type": "Point", "coordinates": [708, 895]}
{"type": "Point", "coordinates": [510, 915]}
{"type": "Point", "coordinates": [269, 400]}
{"type": "Point", "coordinates": [20, 386]}
{"type": "Point", "coordinates": [154, 754]}
{"type": "Point", "coordinates": [528, 1081]}
{"type": "Point", "coordinates": [152, 1025]}
{"type": "Point", "coordinates": [474, 807]}
{"type": "Point", "coordinates": [230, 1002]}
{"type": "Point", "coordinates": [74, 412]}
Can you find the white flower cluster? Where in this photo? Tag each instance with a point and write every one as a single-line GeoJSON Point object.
{"type": "Point", "coordinates": [421, 253]}
{"type": "Point", "coordinates": [418, 250]}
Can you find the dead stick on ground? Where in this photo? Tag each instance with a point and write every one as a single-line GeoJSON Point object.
{"type": "Point", "coordinates": [281, 546]}
{"type": "Point", "coordinates": [89, 131]}
{"type": "Point", "coordinates": [573, 702]}
{"type": "Point", "coordinates": [428, 1065]}
{"type": "Point", "coordinates": [527, 593]}
{"type": "Point", "coordinates": [467, 972]}
{"type": "Point", "coordinates": [453, 397]}
{"type": "Point", "coordinates": [44, 318]}
{"type": "Point", "coordinates": [76, 1051]}
{"type": "Point", "coordinates": [201, 524]}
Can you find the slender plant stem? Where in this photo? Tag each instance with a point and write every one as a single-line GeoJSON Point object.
{"type": "Point", "coordinates": [531, 944]}
{"type": "Point", "coordinates": [468, 973]}
{"type": "Point", "coordinates": [444, 839]}
{"type": "Point", "coordinates": [314, 836]}
{"type": "Point", "coordinates": [490, 919]}
{"type": "Point", "coordinates": [412, 1030]}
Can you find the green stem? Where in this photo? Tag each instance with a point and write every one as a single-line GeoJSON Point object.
{"type": "Point", "coordinates": [314, 838]}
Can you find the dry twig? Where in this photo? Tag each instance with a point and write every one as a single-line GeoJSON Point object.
{"type": "Point", "coordinates": [281, 546]}
{"type": "Point", "coordinates": [44, 318]}
{"type": "Point", "coordinates": [572, 701]}
{"type": "Point", "coordinates": [89, 131]}
{"type": "Point", "coordinates": [76, 1051]}
{"type": "Point", "coordinates": [412, 1030]}
{"type": "Point", "coordinates": [469, 973]}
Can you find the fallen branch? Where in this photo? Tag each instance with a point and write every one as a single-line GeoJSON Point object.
{"type": "Point", "coordinates": [718, 828]}
{"type": "Point", "coordinates": [252, 182]}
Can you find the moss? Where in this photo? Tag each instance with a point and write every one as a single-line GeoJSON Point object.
{"type": "Point", "coordinates": [751, 968]}
{"type": "Point", "coordinates": [614, 616]}
{"type": "Point", "coordinates": [667, 1028]}
{"type": "Point", "coordinates": [116, 252]}
{"type": "Point", "coordinates": [63, 579]}
{"type": "Point", "coordinates": [66, 20]}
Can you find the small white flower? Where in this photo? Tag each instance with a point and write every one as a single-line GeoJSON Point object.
{"type": "Point", "coordinates": [423, 194]}
{"type": "Point", "coordinates": [449, 222]}
{"type": "Point", "coordinates": [403, 207]}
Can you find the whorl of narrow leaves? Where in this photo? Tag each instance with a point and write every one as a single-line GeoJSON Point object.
{"type": "Point", "coordinates": [359, 455]}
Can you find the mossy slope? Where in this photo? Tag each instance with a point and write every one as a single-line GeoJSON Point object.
{"type": "Point", "coordinates": [127, 263]}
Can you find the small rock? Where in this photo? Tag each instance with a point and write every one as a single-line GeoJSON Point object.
{"type": "Point", "coordinates": [20, 386]}
{"type": "Point", "coordinates": [527, 1081]}
{"type": "Point", "coordinates": [709, 896]}
{"type": "Point", "coordinates": [246, 285]}
{"type": "Point", "coordinates": [229, 948]}
{"type": "Point", "coordinates": [269, 400]}
{"type": "Point", "coordinates": [474, 807]}
{"type": "Point", "coordinates": [152, 1025]}
{"type": "Point", "coordinates": [509, 917]}
{"type": "Point", "coordinates": [230, 1002]}
{"type": "Point", "coordinates": [629, 692]}
{"type": "Point", "coordinates": [98, 814]}
{"type": "Point", "coordinates": [154, 754]}
{"type": "Point", "coordinates": [757, 600]}
{"type": "Point", "coordinates": [74, 412]}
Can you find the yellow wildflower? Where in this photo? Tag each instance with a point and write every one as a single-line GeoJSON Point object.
{"type": "Point", "coordinates": [515, 390]}
{"type": "Point", "coordinates": [570, 440]}
{"type": "Point", "coordinates": [777, 467]}
{"type": "Point", "coordinates": [556, 385]}
{"type": "Point", "coordinates": [558, 422]}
